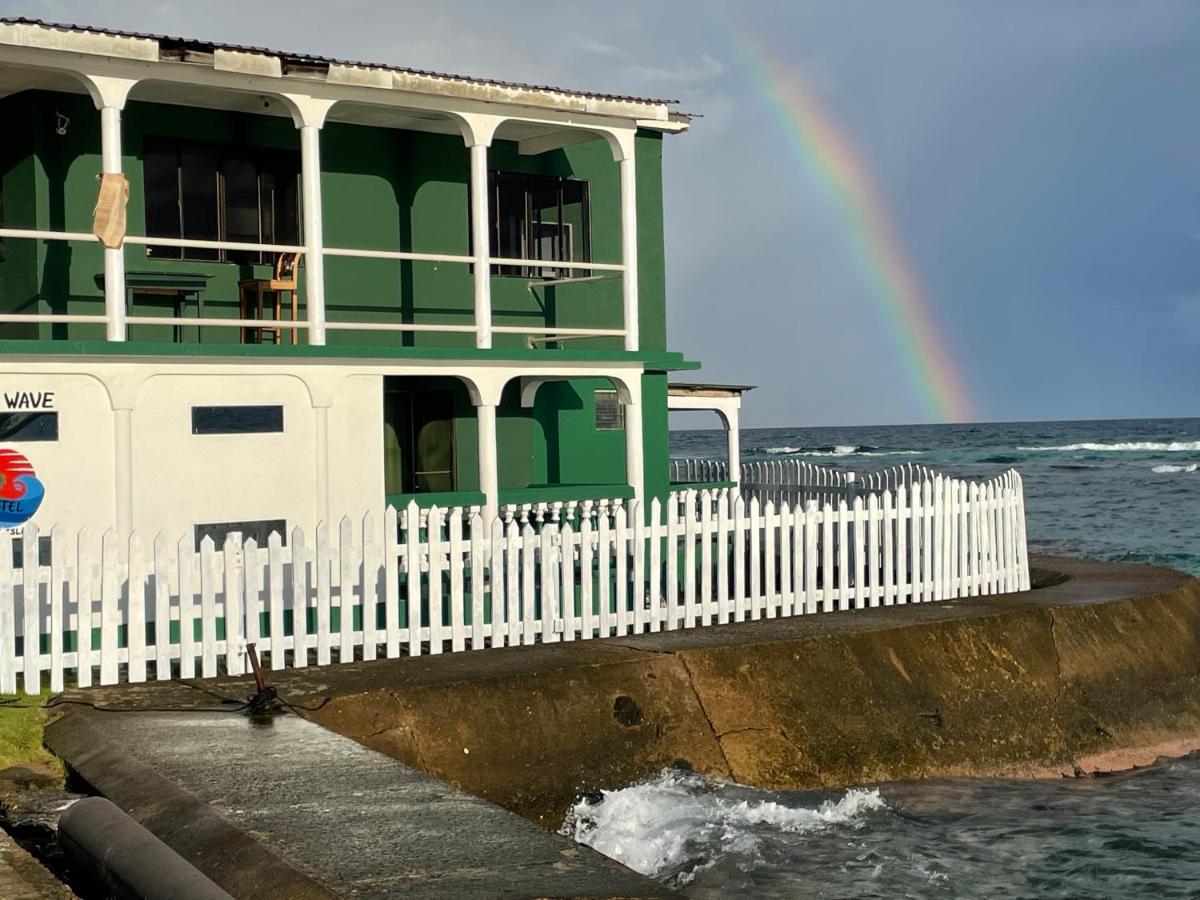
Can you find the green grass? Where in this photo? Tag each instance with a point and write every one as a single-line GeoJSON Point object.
{"type": "Point", "coordinates": [21, 723]}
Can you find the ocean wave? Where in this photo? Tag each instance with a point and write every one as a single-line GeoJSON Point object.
{"type": "Point", "coordinates": [671, 826]}
{"type": "Point", "coordinates": [1170, 470]}
{"type": "Point", "coordinates": [838, 450]}
{"type": "Point", "coordinates": [1125, 447]}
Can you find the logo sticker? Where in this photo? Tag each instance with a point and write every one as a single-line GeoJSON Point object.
{"type": "Point", "coordinates": [21, 492]}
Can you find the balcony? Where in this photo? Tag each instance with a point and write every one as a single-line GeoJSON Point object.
{"type": "Point", "coordinates": [399, 206]}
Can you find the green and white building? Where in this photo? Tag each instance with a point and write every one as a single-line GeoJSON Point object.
{"type": "Point", "coordinates": [480, 295]}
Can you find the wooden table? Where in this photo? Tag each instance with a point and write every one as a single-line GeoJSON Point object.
{"type": "Point", "coordinates": [178, 285]}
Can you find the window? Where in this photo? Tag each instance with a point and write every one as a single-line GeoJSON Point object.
{"type": "Point", "coordinates": [236, 419]}
{"type": "Point", "coordinates": [45, 545]}
{"type": "Point", "coordinates": [259, 529]}
{"type": "Point", "coordinates": [418, 439]}
{"type": "Point", "coordinates": [29, 426]}
{"type": "Point", "coordinates": [539, 217]}
{"type": "Point", "coordinates": [206, 193]}
{"type": "Point", "coordinates": [610, 414]}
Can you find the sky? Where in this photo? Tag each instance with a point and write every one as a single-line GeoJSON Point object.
{"type": "Point", "coordinates": [1020, 228]}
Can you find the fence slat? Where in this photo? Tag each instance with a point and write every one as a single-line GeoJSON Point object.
{"type": "Point", "coordinates": [31, 607]}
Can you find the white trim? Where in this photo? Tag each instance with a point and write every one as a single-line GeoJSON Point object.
{"type": "Point", "coordinates": [314, 262]}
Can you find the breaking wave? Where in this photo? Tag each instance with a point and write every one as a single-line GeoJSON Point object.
{"type": "Point", "coordinates": [838, 450]}
{"type": "Point", "coordinates": [677, 825]}
{"type": "Point", "coordinates": [1170, 470]}
{"type": "Point", "coordinates": [1126, 447]}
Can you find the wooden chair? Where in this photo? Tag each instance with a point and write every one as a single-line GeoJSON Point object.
{"type": "Point", "coordinates": [252, 292]}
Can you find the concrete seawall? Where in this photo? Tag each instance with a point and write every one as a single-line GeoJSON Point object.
{"type": "Point", "coordinates": [1098, 672]}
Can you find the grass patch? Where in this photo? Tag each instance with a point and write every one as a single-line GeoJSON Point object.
{"type": "Point", "coordinates": [21, 722]}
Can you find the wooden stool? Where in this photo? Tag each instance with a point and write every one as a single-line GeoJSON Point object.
{"type": "Point", "coordinates": [252, 291]}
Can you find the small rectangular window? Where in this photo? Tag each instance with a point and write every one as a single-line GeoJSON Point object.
{"type": "Point", "coordinates": [610, 414]}
{"type": "Point", "coordinates": [29, 426]}
{"type": "Point", "coordinates": [44, 555]}
{"type": "Point", "coordinates": [236, 419]}
{"type": "Point", "coordinates": [260, 529]}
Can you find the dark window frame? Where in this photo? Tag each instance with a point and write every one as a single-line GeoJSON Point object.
{"type": "Point", "coordinates": [529, 243]}
{"type": "Point", "coordinates": [30, 424]}
{"type": "Point", "coordinates": [255, 418]}
{"type": "Point", "coordinates": [275, 226]}
{"type": "Point", "coordinates": [617, 421]}
{"type": "Point", "coordinates": [259, 529]}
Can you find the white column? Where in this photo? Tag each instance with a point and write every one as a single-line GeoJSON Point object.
{"type": "Point", "coordinates": [629, 278]}
{"type": "Point", "coordinates": [733, 441]}
{"type": "Point", "coordinates": [314, 256]}
{"type": "Point", "coordinates": [321, 464]}
{"type": "Point", "coordinates": [481, 242]}
{"type": "Point", "coordinates": [114, 257]}
{"type": "Point", "coordinates": [489, 481]}
{"type": "Point", "coordinates": [635, 465]}
{"type": "Point", "coordinates": [123, 475]}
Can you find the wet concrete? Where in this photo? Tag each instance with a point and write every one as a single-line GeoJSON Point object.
{"type": "Point", "coordinates": [285, 808]}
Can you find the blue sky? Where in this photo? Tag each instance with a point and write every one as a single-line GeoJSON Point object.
{"type": "Point", "coordinates": [1040, 161]}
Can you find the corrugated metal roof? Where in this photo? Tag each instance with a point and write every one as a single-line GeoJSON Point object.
{"type": "Point", "coordinates": [304, 59]}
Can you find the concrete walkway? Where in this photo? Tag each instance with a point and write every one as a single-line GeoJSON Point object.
{"type": "Point", "coordinates": [285, 808]}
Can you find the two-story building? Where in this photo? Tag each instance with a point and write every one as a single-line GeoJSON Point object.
{"type": "Point", "coordinates": [242, 288]}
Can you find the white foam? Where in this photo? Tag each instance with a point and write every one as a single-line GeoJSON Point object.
{"type": "Point", "coordinates": [1168, 469]}
{"type": "Point", "coordinates": [669, 824]}
{"type": "Point", "coordinates": [840, 450]}
{"type": "Point", "coordinates": [1128, 446]}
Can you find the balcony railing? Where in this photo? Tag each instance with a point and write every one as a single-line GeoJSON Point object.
{"type": "Point", "coordinates": [541, 333]}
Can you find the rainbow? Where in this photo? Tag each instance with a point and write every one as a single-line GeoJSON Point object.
{"type": "Point", "coordinates": [830, 160]}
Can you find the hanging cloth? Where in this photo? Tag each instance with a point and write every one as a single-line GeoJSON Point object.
{"type": "Point", "coordinates": [108, 219]}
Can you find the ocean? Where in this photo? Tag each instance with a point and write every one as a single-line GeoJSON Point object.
{"type": "Point", "coordinates": [1118, 490]}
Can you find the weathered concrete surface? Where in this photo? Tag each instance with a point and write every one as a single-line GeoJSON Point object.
{"type": "Point", "coordinates": [24, 878]}
{"type": "Point", "coordinates": [287, 809]}
{"type": "Point", "coordinates": [1098, 672]}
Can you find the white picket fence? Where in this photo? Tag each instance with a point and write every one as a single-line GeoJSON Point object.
{"type": "Point", "coordinates": [90, 609]}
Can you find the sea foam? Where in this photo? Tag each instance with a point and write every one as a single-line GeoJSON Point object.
{"type": "Point", "coordinates": [1169, 470]}
{"type": "Point", "coordinates": [1126, 447]}
{"type": "Point", "coordinates": [672, 824]}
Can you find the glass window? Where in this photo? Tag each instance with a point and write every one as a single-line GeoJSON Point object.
{"type": "Point", "coordinates": [242, 219]}
{"type": "Point", "coordinates": [542, 217]}
{"type": "Point", "coordinates": [28, 426]}
{"type": "Point", "coordinates": [198, 199]}
{"type": "Point", "coordinates": [218, 194]}
{"type": "Point", "coordinates": [610, 414]}
{"type": "Point", "coordinates": [236, 419]}
{"type": "Point", "coordinates": [260, 530]}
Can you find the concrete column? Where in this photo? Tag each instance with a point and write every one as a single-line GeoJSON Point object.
{"type": "Point", "coordinates": [123, 475]}
{"type": "Point", "coordinates": [114, 257]}
{"type": "Point", "coordinates": [314, 256]}
{"type": "Point", "coordinates": [629, 257]}
{"type": "Point", "coordinates": [635, 464]}
{"type": "Point", "coordinates": [481, 242]}
{"type": "Point", "coordinates": [489, 481]}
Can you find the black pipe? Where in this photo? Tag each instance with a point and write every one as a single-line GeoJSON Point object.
{"type": "Point", "coordinates": [119, 853]}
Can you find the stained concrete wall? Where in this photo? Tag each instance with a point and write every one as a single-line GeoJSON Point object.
{"type": "Point", "coordinates": [1100, 672]}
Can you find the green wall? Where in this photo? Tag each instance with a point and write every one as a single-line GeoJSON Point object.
{"type": "Point", "coordinates": [381, 189]}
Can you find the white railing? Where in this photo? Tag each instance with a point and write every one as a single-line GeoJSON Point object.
{"type": "Point", "coordinates": [540, 333]}
{"type": "Point", "coordinates": [109, 609]}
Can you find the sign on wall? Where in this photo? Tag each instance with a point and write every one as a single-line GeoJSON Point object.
{"type": "Point", "coordinates": [21, 493]}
